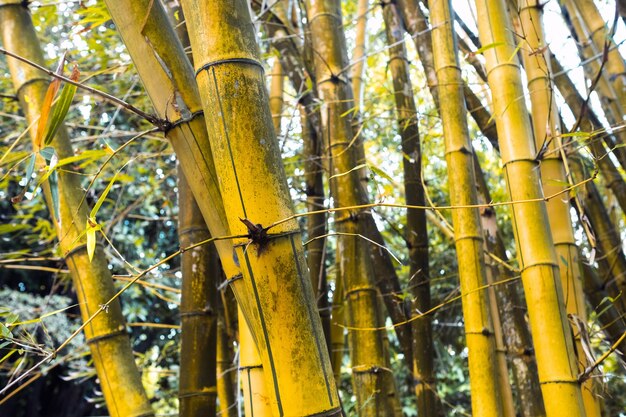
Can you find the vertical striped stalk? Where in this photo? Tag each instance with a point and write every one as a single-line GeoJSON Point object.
{"type": "Point", "coordinates": [485, 389]}
{"type": "Point", "coordinates": [369, 371]}
{"type": "Point", "coordinates": [166, 72]}
{"type": "Point", "coordinates": [416, 235]}
{"type": "Point", "coordinates": [276, 94]}
{"type": "Point", "coordinates": [537, 258]}
{"type": "Point", "coordinates": [358, 54]}
{"type": "Point", "coordinates": [106, 335]}
{"type": "Point", "coordinates": [254, 189]}
{"type": "Point", "coordinates": [516, 334]}
{"type": "Point", "coordinates": [553, 178]}
{"type": "Point", "coordinates": [257, 401]}
{"type": "Point", "coordinates": [198, 310]}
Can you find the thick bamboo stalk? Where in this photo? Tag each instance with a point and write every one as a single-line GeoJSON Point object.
{"type": "Point", "coordinates": [516, 334]}
{"type": "Point", "coordinates": [248, 162]}
{"type": "Point", "coordinates": [168, 78]}
{"type": "Point", "coordinates": [106, 335]}
{"type": "Point", "coordinates": [369, 371]}
{"type": "Point", "coordinates": [416, 231]}
{"type": "Point", "coordinates": [546, 128]}
{"type": "Point", "coordinates": [540, 275]}
{"type": "Point", "coordinates": [166, 72]}
{"type": "Point", "coordinates": [487, 399]}
{"type": "Point", "coordinates": [198, 310]}
{"type": "Point", "coordinates": [358, 54]}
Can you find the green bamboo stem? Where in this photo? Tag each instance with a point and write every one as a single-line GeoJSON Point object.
{"type": "Point", "coordinates": [198, 310]}
{"type": "Point", "coordinates": [485, 384]}
{"type": "Point", "coordinates": [555, 351]}
{"type": "Point", "coordinates": [106, 334]}
{"type": "Point", "coordinates": [546, 128]}
{"type": "Point", "coordinates": [247, 160]}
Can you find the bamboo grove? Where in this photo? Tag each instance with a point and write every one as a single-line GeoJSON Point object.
{"type": "Point", "coordinates": [312, 208]}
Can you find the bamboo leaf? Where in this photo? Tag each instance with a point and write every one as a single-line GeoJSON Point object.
{"type": "Point", "coordinates": [47, 104]}
{"type": "Point", "coordinates": [103, 197]}
{"type": "Point", "coordinates": [486, 47]}
{"type": "Point", "coordinates": [61, 107]}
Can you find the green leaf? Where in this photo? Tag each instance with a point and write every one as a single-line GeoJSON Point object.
{"type": "Point", "coordinates": [487, 47]}
{"type": "Point", "coordinates": [59, 112]}
{"type": "Point", "coordinates": [4, 331]}
{"type": "Point", "coordinates": [103, 197]}
{"type": "Point", "coordinates": [53, 182]}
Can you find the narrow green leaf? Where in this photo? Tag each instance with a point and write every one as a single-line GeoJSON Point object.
{"type": "Point", "coordinates": [4, 331]}
{"type": "Point", "coordinates": [103, 197]}
{"type": "Point", "coordinates": [53, 182]}
{"type": "Point", "coordinates": [59, 112]}
{"type": "Point", "coordinates": [487, 47]}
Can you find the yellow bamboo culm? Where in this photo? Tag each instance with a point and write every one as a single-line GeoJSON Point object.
{"type": "Point", "coordinates": [538, 262]}
{"type": "Point", "coordinates": [485, 386]}
{"type": "Point", "coordinates": [553, 177]}
{"type": "Point", "coordinates": [255, 195]}
{"type": "Point", "coordinates": [106, 334]}
{"type": "Point", "coordinates": [372, 378]}
{"type": "Point", "coordinates": [256, 399]}
{"type": "Point", "coordinates": [201, 276]}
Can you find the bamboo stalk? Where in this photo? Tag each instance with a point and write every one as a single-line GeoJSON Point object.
{"type": "Point", "coordinates": [276, 94]}
{"type": "Point", "coordinates": [225, 364]}
{"type": "Point", "coordinates": [370, 373]}
{"type": "Point", "coordinates": [485, 381]}
{"type": "Point", "coordinates": [537, 257]}
{"type": "Point", "coordinates": [198, 309]}
{"type": "Point", "coordinates": [247, 161]}
{"type": "Point", "coordinates": [256, 399]}
{"type": "Point", "coordinates": [106, 334]}
{"type": "Point", "coordinates": [416, 231]}
{"type": "Point", "coordinates": [358, 54]}
{"type": "Point", "coordinates": [546, 128]}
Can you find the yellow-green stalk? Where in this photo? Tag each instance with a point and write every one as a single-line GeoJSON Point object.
{"type": "Point", "coordinates": [485, 386]}
{"type": "Point", "coordinates": [537, 258]}
{"type": "Point", "coordinates": [255, 195]}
